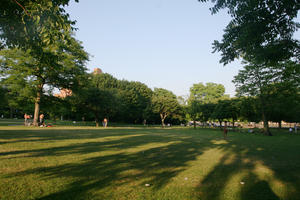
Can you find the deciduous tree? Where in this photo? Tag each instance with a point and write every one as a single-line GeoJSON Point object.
{"type": "Point", "coordinates": [164, 103]}
{"type": "Point", "coordinates": [260, 30]}
{"type": "Point", "coordinates": [58, 66]}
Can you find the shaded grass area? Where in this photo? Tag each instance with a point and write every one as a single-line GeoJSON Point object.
{"type": "Point", "coordinates": [11, 122]}
{"type": "Point", "coordinates": [116, 163]}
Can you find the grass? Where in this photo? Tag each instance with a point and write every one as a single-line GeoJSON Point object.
{"type": "Point", "coordinates": [116, 163]}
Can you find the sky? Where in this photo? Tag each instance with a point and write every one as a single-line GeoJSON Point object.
{"type": "Point", "coordinates": [162, 43]}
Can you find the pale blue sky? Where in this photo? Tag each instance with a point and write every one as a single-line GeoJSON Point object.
{"type": "Point", "coordinates": [162, 43]}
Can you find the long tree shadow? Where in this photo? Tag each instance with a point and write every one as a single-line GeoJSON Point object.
{"type": "Point", "coordinates": [48, 134]}
{"type": "Point", "coordinates": [257, 189]}
{"type": "Point", "coordinates": [246, 160]}
{"type": "Point", "coordinates": [156, 165]}
{"type": "Point", "coordinates": [133, 163]}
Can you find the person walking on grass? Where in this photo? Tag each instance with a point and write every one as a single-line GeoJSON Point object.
{"type": "Point", "coordinates": [42, 120]}
{"type": "Point", "coordinates": [225, 131]}
{"type": "Point", "coordinates": [105, 122]}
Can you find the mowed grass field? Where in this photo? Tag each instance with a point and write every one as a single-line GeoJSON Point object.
{"type": "Point", "coordinates": [119, 163]}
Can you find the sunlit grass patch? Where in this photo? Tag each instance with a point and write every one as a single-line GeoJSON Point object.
{"type": "Point", "coordinates": [146, 163]}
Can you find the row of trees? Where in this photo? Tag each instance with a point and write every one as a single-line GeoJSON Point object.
{"type": "Point", "coordinates": [208, 103]}
{"type": "Point", "coordinates": [261, 34]}
{"type": "Point", "coordinates": [95, 97]}
{"type": "Point", "coordinates": [40, 54]}
{"type": "Point", "coordinates": [101, 95]}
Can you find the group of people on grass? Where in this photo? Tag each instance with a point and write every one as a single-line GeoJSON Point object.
{"type": "Point", "coordinates": [295, 128]}
{"type": "Point", "coordinates": [41, 122]}
{"type": "Point", "coordinates": [27, 121]}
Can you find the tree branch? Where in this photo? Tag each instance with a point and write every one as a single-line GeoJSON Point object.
{"type": "Point", "coordinates": [22, 8]}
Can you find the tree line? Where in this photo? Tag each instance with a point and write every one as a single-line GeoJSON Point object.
{"type": "Point", "coordinates": [99, 96]}
{"type": "Point", "coordinates": [39, 54]}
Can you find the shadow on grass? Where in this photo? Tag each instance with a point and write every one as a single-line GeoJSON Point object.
{"type": "Point", "coordinates": [156, 165]}
{"type": "Point", "coordinates": [275, 163]}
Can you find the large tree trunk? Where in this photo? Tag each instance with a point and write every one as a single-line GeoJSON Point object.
{"type": "Point", "coordinates": [37, 105]}
{"type": "Point", "coordinates": [163, 123]}
{"type": "Point", "coordinates": [266, 125]}
{"type": "Point", "coordinates": [163, 117]}
{"type": "Point", "coordinates": [264, 118]}
{"type": "Point", "coordinates": [37, 109]}
{"type": "Point", "coordinates": [97, 119]}
{"type": "Point", "coordinates": [194, 124]}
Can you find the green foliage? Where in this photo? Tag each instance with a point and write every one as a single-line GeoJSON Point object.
{"type": "Point", "coordinates": [31, 75]}
{"type": "Point", "coordinates": [135, 99]}
{"type": "Point", "coordinates": [250, 109]}
{"type": "Point", "coordinates": [193, 110]}
{"type": "Point", "coordinates": [33, 25]}
{"type": "Point", "coordinates": [209, 93]}
{"type": "Point", "coordinates": [226, 110]}
{"type": "Point", "coordinates": [203, 100]}
{"type": "Point", "coordinates": [283, 103]}
{"type": "Point", "coordinates": [42, 48]}
{"type": "Point", "coordinates": [260, 30]}
{"type": "Point", "coordinates": [207, 111]}
{"type": "Point", "coordinates": [164, 103]}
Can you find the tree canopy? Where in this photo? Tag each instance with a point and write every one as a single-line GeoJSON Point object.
{"type": "Point", "coordinates": [57, 66]}
{"type": "Point", "coordinates": [260, 30]}
{"type": "Point", "coordinates": [28, 23]}
{"type": "Point", "coordinates": [164, 103]}
{"type": "Point", "coordinates": [209, 93]}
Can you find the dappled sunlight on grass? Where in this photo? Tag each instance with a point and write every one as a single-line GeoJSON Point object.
{"type": "Point", "coordinates": [145, 163]}
{"type": "Point", "coordinates": [219, 142]}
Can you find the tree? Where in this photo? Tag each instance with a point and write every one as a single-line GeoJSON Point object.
{"type": "Point", "coordinates": [164, 103]}
{"type": "Point", "coordinates": [226, 110]}
{"type": "Point", "coordinates": [250, 109]}
{"type": "Point", "coordinates": [283, 103]}
{"type": "Point", "coordinates": [206, 111]}
{"type": "Point", "coordinates": [260, 30]}
{"type": "Point", "coordinates": [222, 111]}
{"type": "Point", "coordinates": [58, 66]}
{"type": "Point", "coordinates": [209, 93]}
{"type": "Point", "coordinates": [28, 23]}
{"type": "Point", "coordinates": [100, 102]}
{"type": "Point", "coordinates": [41, 31]}
{"type": "Point", "coordinates": [135, 98]}
{"type": "Point", "coordinates": [3, 100]}
{"type": "Point", "coordinates": [96, 98]}
{"type": "Point", "coordinates": [255, 80]}
{"type": "Point", "coordinates": [206, 97]}
{"type": "Point", "coordinates": [252, 81]}
{"type": "Point", "coordinates": [193, 109]}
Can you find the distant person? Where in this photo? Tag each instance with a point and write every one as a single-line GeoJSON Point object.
{"type": "Point", "coordinates": [25, 119]}
{"type": "Point", "coordinates": [42, 120]}
{"type": "Point", "coordinates": [145, 122]}
{"type": "Point", "coordinates": [225, 131]}
{"type": "Point", "coordinates": [290, 130]}
{"type": "Point", "coordinates": [105, 122]}
{"type": "Point", "coordinates": [295, 127]}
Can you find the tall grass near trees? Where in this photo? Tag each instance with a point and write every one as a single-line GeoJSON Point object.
{"type": "Point", "coordinates": [146, 163]}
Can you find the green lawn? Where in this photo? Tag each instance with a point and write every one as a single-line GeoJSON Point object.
{"type": "Point", "coordinates": [116, 163]}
